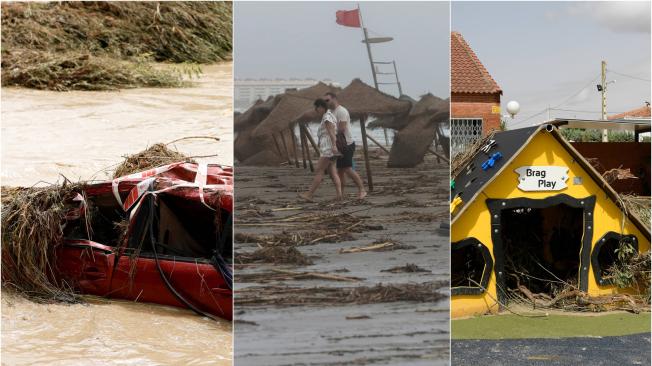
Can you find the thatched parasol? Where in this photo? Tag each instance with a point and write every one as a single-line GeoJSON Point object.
{"type": "Point", "coordinates": [414, 139]}
{"type": "Point", "coordinates": [440, 112]}
{"type": "Point", "coordinates": [255, 114]}
{"type": "Point", "coordinates": [292, 105]}
{"type": "Point", "coordinates": [361, 99]}
{"type": "Point", "coordinates": [428, 103]}
{"type": "Point", "coordinates": [411, 143]}
{"type": "Point", "coordinates": [240, 120]}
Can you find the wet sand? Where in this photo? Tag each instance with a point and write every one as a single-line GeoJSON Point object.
{"type": "Point", "coordinates": [405, 208]}
{"type": "Point", "coordinates": [78, 134]}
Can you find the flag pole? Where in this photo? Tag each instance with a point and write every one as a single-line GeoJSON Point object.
{"type": "Point", "coordinates": [363, 119]}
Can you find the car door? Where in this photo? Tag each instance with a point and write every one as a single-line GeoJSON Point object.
{"type": "Point", "coordinates": [153, 274]}
{"type": "Point", "coordinates": [85, 265]}
{"type": "Point", "coordinates": [195, 281]}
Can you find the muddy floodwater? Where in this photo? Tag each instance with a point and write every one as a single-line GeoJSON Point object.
{"type": "Point", "coordinates": [78, 135]}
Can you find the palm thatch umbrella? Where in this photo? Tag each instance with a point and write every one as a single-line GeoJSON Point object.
{"type": "Point", "coordinates": [413, 141]}
{"type": "Point", "coordinates": [292, 104]}
{"type": "Point", "coordinates": [427, 104]}
{"type": "Point", "coordinates": [361, 99]}
{"type": "Point", "coordinates": [255, 114]}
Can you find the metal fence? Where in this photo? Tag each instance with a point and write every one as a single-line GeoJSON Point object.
{"type": "Point", "coordinates": [464, 131]}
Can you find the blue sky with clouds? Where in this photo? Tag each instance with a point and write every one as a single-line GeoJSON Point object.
{"type": "Point", "coordinates": [548, 53]}
{"type": "Point", "coordinates": [302, 40]}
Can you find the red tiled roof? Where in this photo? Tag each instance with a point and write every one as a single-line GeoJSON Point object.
{"type": "Point", "coordinates": [634, 113]}
{"type": "Point", "coordinates": [468, 75]}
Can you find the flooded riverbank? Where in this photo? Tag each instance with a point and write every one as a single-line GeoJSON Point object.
{"type": "Point", "coordinates": [78, 134]}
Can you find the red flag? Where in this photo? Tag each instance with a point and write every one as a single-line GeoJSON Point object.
{"type": "Point", "coordinates": [348, 18]}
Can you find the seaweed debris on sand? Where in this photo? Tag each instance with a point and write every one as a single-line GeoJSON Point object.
{"type": "Point", "coordinates": [322, 296]}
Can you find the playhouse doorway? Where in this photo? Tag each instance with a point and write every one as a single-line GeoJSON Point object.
{"type": "Point", "coordinates": [542, 248]}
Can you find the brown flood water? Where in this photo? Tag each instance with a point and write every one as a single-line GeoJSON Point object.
{"type": "Point", "coordinates": [78, 134]}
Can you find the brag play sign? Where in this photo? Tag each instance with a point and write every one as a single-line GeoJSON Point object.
{"type": "Point", "coordinates": [542, 178]}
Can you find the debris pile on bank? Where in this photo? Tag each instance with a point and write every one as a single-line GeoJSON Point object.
{"type": "Point", "coordinates": [32, 227]}
{"type": "Point", "coordinates": [152, 157]}
{"type": "Point", "coordinates": [109, 45]}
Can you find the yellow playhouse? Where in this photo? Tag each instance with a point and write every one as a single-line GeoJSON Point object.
{"type": "Point", "coordinates": [529, 202]}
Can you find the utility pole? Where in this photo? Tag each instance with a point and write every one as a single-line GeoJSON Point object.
{"type": "Point", "coordinates": [603, 93]}
{"type": "Point", "coordinates": [548, 112]}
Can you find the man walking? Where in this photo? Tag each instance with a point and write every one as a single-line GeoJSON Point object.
{"type": "Point", "coordinates": [345, 143]}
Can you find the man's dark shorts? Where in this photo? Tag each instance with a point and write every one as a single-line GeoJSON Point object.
{"type": "Point", "coordinates": [346, 160]}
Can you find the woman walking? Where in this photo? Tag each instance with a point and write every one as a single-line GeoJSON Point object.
{"type": "Point", "coordinates": [327, 150]}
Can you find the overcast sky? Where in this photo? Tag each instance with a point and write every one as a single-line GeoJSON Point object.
{"type": "Point", "coordinates": [549, 53]}
{"type": "Point", "coordinates": [302, 40]}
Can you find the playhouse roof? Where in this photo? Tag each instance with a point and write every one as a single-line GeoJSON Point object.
{"type": "Point", "coordinates": [472, 180]}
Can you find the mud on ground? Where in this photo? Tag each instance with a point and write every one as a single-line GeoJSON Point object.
{"type": "Point", "coordinates": [353, 282]}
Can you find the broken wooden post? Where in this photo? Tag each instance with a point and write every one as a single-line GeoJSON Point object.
{"type": "Point", "coordinates": [294, 146]}
{"type": "Point", "coordinates": [439, 155]}
{"type": "Point", "coordinates": [437, 145]}
{"type": "Point", "coordinates": [304, 146]}
{"type": "Point", "coordinates": [285, 146]}
{"type": "Point", "coordinates": [377, 143]}
{"type": "Point", "coordinates": [312, 141]}
{"type": "Point", "coordinates": [365, 150]}
{"type": "Point", "coordinates": [305, 137]}
{"type": "Point", "coordinates": [278, 147]}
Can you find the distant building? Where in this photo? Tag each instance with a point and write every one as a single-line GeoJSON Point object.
{"type": "Point", "coordinates": [642, 113]}
{"type": "Point", "coordinates": [475, 96]}
{"type": "Point", "coordinates": [247, 91]}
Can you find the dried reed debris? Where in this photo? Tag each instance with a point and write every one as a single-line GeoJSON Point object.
{"type": "Point", "coordinates": [152, 157]}
{"type": "Point", "coordinates": [33, 220]}
{"type": "Point", "coordinates": [324, 296]}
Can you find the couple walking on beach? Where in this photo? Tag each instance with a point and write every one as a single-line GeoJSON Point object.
{"type": "Point", "coordinates": [336, 148]}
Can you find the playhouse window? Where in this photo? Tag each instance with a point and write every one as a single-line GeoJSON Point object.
{"type": "Point", "coordinates": [471, 266]}
{"type": "Point", "coordinates": [605, 254]}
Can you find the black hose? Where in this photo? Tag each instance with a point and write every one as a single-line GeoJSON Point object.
{"type": "Point", "coordinates": [160, 270]}
{"type": "Point", "coordinates": [218, 261]}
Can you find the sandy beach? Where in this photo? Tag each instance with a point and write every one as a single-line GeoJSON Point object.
{"type": "Point", "coordinates": [354, 273]}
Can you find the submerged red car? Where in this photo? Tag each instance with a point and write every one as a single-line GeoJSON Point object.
{"type": "Point", "coordinates": [174, 246]}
